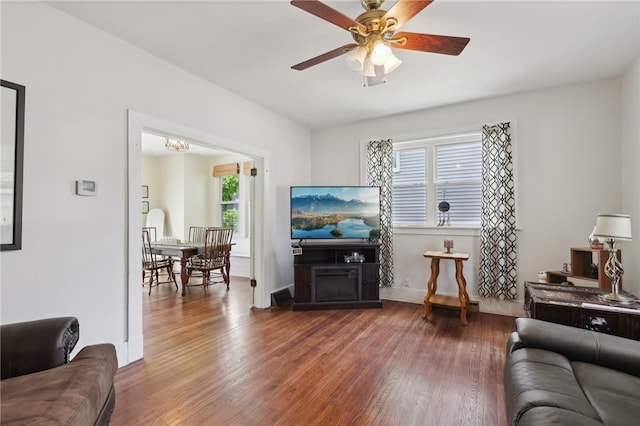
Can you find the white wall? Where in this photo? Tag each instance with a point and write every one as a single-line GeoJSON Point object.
{"type": "Point", "coordinates": [631, 175]}
{"type": "Point", "coordinates": [149, 179]}
{"type": "Point", "coordinates": [568, 142]}
{"type": "Point", "coordinates": [170, 190]}
{"type": "Point", "coordinates": [197, 198]}
{"type": "Point", "coordinates": [80, 83]}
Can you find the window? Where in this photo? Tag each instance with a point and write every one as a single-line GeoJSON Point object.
{"type": "Point", "coordinates": [229, 201]}
{"type": "Point", "coordinates": [229, 193]}
{"type": "Point", "coordinates": [428, 172]}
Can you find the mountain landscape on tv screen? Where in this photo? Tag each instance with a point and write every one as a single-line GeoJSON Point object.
{"type": "Point", "coordinates": [330, 216]}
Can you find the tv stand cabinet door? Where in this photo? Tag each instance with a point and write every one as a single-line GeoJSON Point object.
{"type": "Point", "coordinates": [370, 281]}
{"type": "Point", "coordinates": [302, 284]}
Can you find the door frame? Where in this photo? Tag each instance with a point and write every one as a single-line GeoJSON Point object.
{"type": "Point", "coordinates": [137, 123]}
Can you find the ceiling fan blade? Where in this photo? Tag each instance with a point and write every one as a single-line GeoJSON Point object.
{"type": "Point", "coordinates": [324, 57]}
{"type": "Point", "coordinates": [404, 10]}
{"type": "Point", "coordinates": [432, 43]}
{"type": "Point", "coordinates": [327, 13]}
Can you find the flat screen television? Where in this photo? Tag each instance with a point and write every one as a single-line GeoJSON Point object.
{"type": "Point", "coordinates": [335, 212]}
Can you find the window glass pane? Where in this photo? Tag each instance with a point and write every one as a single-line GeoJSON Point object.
{"type": "Point", "coordinates": [459, 162]}
{"type": "Point", "coordinates": [230, 188]}
{"type": "Point", "coordinates": [410, 167]}
{"type": "Point", "coordinates": [409, 204]}
{"type": "Point", "coordinates": [229, 207]}
{"type": "Point", "coordinates": [230, 216]}
{"type": "Point", "coordinates": [465, 203]}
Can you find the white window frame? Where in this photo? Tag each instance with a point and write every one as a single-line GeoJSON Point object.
{"type": "Point", "coordinates": [431, 186]}
{"type": "Point", "coordinates": [437, 134]}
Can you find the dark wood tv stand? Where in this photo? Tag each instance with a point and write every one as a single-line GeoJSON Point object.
{"type": "Point", "coordinates": [314, 286]}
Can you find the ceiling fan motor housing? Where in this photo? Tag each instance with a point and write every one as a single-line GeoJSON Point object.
{"type": "Point", "coordinates": [371, 4]}
{"type": "Point", "coordinates": [372, 20]}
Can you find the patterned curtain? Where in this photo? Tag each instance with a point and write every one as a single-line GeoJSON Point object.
{"type": "Point", "coordinates": [380, 173]}
{"type": "Point", "coordinates": [498, 250]}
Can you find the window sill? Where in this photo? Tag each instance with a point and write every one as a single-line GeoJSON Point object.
{"type": "Point", "coordinates": [436, 230]}
{"type": "Point", "coordinates": [439, 230]}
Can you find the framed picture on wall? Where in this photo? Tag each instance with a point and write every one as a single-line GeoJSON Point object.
{"type": "Point", "coordinates": [145, 191]}
{"type": "Point", "coordinates": [12, 99]}
{"type": "Point", "coordinates": [145, 207]}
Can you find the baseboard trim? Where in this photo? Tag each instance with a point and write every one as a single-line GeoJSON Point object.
{"type": "Point", "coordinates": [489, 306]}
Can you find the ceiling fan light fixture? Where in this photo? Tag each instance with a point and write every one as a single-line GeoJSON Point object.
{"type": "Point", "coordinates": [392, 63]}
{"type": "Point", "coordinates": [356, 60]}
{"type": "Point", "coordinates": [379, 78]}
{"type": "Point", "coordinates": [374, 33]}
{"type": "Point", "coordinates": [176, 145]}
{"type": "Point", "coordinates": [369, 68]}
{"type": "Point", "coordinates": [380, 52]}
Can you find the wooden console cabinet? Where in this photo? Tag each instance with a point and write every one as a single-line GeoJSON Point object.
{"type": "Point", "coordinates": [319, 258]}
{"type": "Point", "coordinates": [581, 307]}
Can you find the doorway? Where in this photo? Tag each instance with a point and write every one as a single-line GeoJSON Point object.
{"type": "Point", "coordinates": [137, 125]}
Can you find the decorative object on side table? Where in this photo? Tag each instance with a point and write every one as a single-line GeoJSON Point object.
{"type": "Point", "coordinates": [612, 228]}
{"type": "Point", "coordinates": [448, 244]}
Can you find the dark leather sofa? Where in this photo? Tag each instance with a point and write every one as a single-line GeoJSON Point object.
{"type": "Point", "coordinates": [41, 385]}
{"type": "Point", "coordinates": [560, 375]}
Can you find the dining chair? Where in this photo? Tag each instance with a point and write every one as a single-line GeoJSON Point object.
{"type": "Point", "coordinates": [215, 257]}
{"type": "Point", "coordinates": [197, 234]}
{"type": "Point", "coordinates": [153, 233]}
{"type": "Point", "coordinates": [153, 236]}
{"type": "Point", "coordinates": [153, 263]}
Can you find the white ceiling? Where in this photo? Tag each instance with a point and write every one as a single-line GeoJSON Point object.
{"type": "Point", "coordinates": [248, 48]}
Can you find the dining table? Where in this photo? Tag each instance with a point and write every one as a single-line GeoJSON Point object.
{"type": "Point", "coordinates": [183, 251]}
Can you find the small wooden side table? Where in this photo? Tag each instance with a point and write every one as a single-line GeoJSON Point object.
{"type": "Point", "coordinates": [432, 285]}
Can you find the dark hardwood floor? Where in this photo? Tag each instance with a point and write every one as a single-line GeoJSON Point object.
{"type": "Point", "coordinates": [214, 360]}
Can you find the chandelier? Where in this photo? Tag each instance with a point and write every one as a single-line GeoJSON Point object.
{"type": "Point", "coordinates": [176, 145]}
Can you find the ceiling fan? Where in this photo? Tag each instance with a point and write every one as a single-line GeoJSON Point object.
{"type": "Point", "coordinates": [374, 33]}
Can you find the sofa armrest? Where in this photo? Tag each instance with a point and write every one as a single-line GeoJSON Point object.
{"type": "Point", "coordinates": [514, 342]}
{"type": "Point", "coordinates": [577, 344]}
{"type": "Point", "coordinates": [32, 346]}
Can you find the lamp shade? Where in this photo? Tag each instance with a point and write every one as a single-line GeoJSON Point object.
{"type": "Point", "coordinates": [368, 69]}
{"type": "Point", "coordinates": [392, 63]}
{"type": "Point", "coordinates": [356, 59]}
{"type": "Point", "coordinates": [380, 52]}
{"type": "Point", "coordinates": [613, 226]}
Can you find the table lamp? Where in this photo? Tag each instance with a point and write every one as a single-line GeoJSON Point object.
{"type": "Point", "coordinates": [612, 228]}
